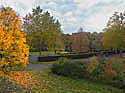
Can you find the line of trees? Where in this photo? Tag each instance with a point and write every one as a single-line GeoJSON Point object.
{"type": "Point", "coordinates": [44, 33]}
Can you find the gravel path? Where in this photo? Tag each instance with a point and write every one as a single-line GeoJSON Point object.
{"type": "Point", "coordinates": [36, 66]}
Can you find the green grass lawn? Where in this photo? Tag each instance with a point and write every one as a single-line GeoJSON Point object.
{"type": "Point", "coordinates": [45, 53]}
{"type": "Point", "coordinates": [52, 62]}
{"type": "Point", "coordinates": [51, 83]}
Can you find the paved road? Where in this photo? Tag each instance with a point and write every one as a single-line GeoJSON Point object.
{"type": "Point", "coordinates": [33, 58]}
{"type": "Point", "coordinates": [36, 66]}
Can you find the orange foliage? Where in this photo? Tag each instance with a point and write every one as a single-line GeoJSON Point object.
{"type": "Point", "coordinates": [13, 47]}
{"type": "Point", "coordinates": [80, 42]}
{"type": "Point", "coordinates": [108, 68]}
{"type": "Point", "coordinates": [24, 79]}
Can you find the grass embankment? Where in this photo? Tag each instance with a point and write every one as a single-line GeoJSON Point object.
{"type": "Point", "coordinates": [18, 81]}
{"type": "Point", "coordinates": [9, 87]}
{"type": "Point", "coordinates": [51, 83]}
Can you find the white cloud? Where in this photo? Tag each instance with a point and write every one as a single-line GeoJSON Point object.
{"type": "Point", "coordinates": [20, 6]}
{"type": "Point", "coordinates": [68, 14]}
{"type": "Point", "coordinates": [52, 4]}
{"type": "Point", "coordinates": [70, 18]}
{"type": "Point", "coordinates": [63, 6]}
{"type": "Point", "coordinates": [82, 1]}
{"type": "Point", "coordinates": [99, 19]}
{"type": "Point", "coordinates": [58, 14]}
{"type": "Point", "coordinates": [85, 13]}
{"type": "Point", "coordinates": [27, 3]}
{"type": "Point", "coordinates": [89, 3]}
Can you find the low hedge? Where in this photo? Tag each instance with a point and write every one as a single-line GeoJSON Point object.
{"type": "Point", "coordinates": [69, 56]}
{"type": "Point", "coordinates": [34, 50]}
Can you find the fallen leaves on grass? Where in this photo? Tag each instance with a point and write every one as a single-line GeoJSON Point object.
{"type": "Point", "coordinates": [24, 79]}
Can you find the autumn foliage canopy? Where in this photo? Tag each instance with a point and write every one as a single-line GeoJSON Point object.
{"type": "Point", "coordinates": [13, 47]}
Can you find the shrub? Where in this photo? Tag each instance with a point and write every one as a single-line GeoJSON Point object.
{"type": "Point", "coordinates": [118, 66]}
{"type": "Point", "coordinates": [109, 72]}
{"type": "Point", "coordinates": [74, 69]}
{"type": "Point", "coordinates": [62, 60]}
{"type": "Point", "coordinates": [92, 64]}
{"type": "Point", "coordinates": [114, 71]}
{"type": "Point", "coordinates": [98, 72]}
{"type": "Point", "coordinates": [119, 79]}
{"type": "Point", "coordinates": [58, 67]}
{"type": "Point", "coordinates": [71, 69]}
{"type": "Point", "coordinates": [106, 70]}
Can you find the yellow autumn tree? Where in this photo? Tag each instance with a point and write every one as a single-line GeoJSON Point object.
{"type": "Point", "coordinates": [13, 48]}
{"type": "Point", "coordinates": [114, 33]}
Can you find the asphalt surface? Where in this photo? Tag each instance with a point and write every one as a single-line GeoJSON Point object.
{"type": "Point", "coordinates": [36, 67]}
{"type": "Point", "coordinates": [33, 58]}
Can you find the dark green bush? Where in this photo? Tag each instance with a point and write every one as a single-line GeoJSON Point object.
{"type": "Point", "coordinates": [62, 60]}
{"type": "Point", "coordinates": [118, 66]}
{"type": "Point", "coordinates": [71, 69]}
{"type": "Point", "coordinates": [58, 68]}
{"type": "Point", "coordinates": [98, 73]}
{"type": "Point", "coordinates": [119, 79]}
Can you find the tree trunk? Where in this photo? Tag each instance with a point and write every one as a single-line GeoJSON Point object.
{"type": "Point", "coordinates": [39, 51]}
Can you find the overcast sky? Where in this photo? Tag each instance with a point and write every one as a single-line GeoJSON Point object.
{"type": "Point", "coordinates": [91, 15]}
